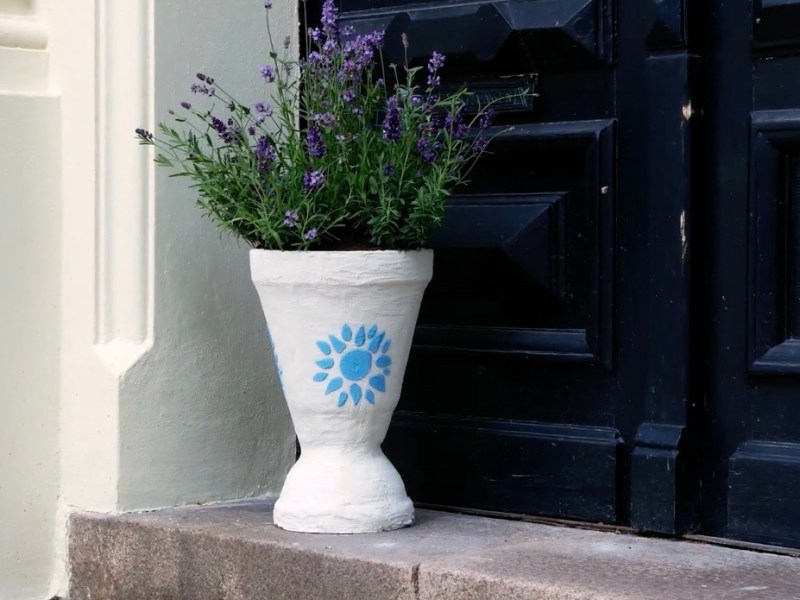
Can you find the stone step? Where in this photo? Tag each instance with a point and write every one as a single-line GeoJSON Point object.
{"type": "Point", "coordinates": [234, 552]}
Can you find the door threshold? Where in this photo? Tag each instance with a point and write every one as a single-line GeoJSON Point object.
{"type": "Point", "coordinates": [611, 528]}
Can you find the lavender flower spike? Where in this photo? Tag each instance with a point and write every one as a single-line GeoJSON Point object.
{"type": "Point", "coordinates": [330, 19]}
{"type": "Point", "coordinates": [393, 120]}
{"type": "Point", "coordinates": [268, 73]}
{"type": "Point", "coordinates": [436, 62]}
{"type": "Point", "coordinates": [313, 179]}
{"type": "Point", "coordinates": [291, 219]}
{"type": "Point", "coordinates": [316, 147]}
{"type": "Point", "coordinates": [311, 234]}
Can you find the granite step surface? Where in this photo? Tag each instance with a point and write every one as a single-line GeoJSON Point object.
{"type": "Point", "coordinates": [234, 552]}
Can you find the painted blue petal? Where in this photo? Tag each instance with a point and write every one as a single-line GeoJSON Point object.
{"type": "Point", "coordinates": [325, 363]}
{"type": "Point", "coordinates": [347, 333]}
{"type": "Point", "coordinates": [337, 344]}
{"type": "Point", "coordinates": [333, 385]}
{"type": "Point", "coordinates": [342, 399]}
{"type": "Point", "coordinates": [376, 343]}
{"type": "Point", "coordinates": [386, 346]}
{"type": "Point", "coordinates": [378, 382]}
{"type": "Point", "coordinates": [355, 392]}
{"type": "Point", "coordinates": [372, 331]}
{"type": "Point", "coordinates": [360, 336]}
{"type": "Point", "coordinates": [326, 349]}
{"type": "Point", "coordinates": [320, 377]}
{"type": "Point", "coordinates": [383, 361]}
{"type": "Point", "coordinates": [370, 397]}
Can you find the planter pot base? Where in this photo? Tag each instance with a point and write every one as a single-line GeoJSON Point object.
{"type": "Point", "coordinates": [340, 491]}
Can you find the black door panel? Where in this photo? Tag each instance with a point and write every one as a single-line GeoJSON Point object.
{"type": "Point", "coordinates": [613, 328]}
{"type": "Point", "coordinates": [504, 36]}
{"type": "Point", "coordinates": [750, 370]}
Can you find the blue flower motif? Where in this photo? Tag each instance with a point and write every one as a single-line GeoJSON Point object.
{"type": "Point", "coordinates": [355, 364]}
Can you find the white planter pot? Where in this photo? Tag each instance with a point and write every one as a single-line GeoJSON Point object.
{"type": "Point", "coordinates": [341, 325]}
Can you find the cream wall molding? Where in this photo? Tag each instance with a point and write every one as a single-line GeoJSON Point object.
{"type": "Point", "coordinates": [124, 194]}
{"type": "Point", "coordinates": [23, 32]}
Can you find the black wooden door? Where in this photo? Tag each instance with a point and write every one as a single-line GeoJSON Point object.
{"type": "Point", "coordinates": [748, 233]}
{"type": "Point", "coordinates": [563, 364]}
{"type": "Point", "coordinates": [539, 381]}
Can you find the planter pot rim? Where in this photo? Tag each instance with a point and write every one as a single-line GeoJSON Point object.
{"type": "Point", "coordinates": [350, 267]}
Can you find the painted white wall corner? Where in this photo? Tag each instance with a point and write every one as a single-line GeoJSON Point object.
{"type": "Point", "coordinates": [29, 295]}
{"type": "Point", "coordinates": [140, 375]}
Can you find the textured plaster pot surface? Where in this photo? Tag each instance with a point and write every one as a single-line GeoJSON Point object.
{"type": "Point", "coordinates": [341, 325]}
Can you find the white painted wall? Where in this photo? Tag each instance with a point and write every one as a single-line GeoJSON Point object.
{"type": "Point", "coordinates": [29, 342]}
{"type": "Point", "coordinates": [201, 418]}
{"type": "Point", "coordinates": [29, 296]}
{"type": "Point", "coordinates": [140, 372]}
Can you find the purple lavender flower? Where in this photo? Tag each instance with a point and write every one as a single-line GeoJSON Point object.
{"type": "Point", "coordinates": [263, 108]}
{"type": "Point", "coordinates": [202, 76]}
{"type": "Point", "coordinates": [218, 126]}
{"type": "Point", "coordinates": [388, 170]}
{"type": "Point", "coordinates": [480, 144]}
{"type": "Point", "coordinates": [265, 153]}
{"type": "Point", "coordinates": [327, 119]}
{"type": "Point", "coordinates": [268, 73]}
{"type": "Point", "coordinates": [486, 119]}
{"type": "Point", "coordinates": [143, 134]}
{"type": "Point", "coordinates": [315, 34]}
{"type": "Point", "coordinates": [330, 19]}
{"type": "Point", "coordinates": [393, 120]}
{"type": "Point", "coordinates": [290, 219]}
{"type": "Point", "coordinates": [329, 47]}
{"type": "Point", "coordinates": [186, 105]}
{"type": "Point", "coordinates": [359, 54]}
{"type": "Point", "coordinates": [455, 123]}
{"type": "Point", "coordinates": [287, 41]}
{"type": "Point", "coordinates": [316, 147]}
{"type": "Point", "coordinates": [234, 133]}
{"type": "Point", "coordinates": [435, 63]}
{"type": "Point", "coordinates": [348, 95]}
{"type": "Point", "coordinates": [251, 130]}
{"type": "Point", "coordinates": [268, 4]}
{"type": "Point", "coordinates": [313, 179]}
{"type": "Point", "coordinates": [426, 151]}
{"type": "Point", "coordinates": [311, 234]}
{"type": "Point", "coordinates": [357, 111]}
{"type": "Point", "coordinates": [434, 80]}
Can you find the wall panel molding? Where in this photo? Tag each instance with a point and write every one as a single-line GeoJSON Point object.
{"type": "Point", "coordinates": [124, 192]}
{"type": "Point", "coordinates": [549, 242]}
{"type": "Point", "coordinates": [22, 32]}
{"type": "Point", "coordinates": [774, 247]}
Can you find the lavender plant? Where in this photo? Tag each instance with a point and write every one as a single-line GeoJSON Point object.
{"type": "Point", "coordinates": [348, 153]}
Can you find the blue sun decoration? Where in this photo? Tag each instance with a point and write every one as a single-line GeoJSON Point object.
{"type": "Point", "coordinates": [355, 365]}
